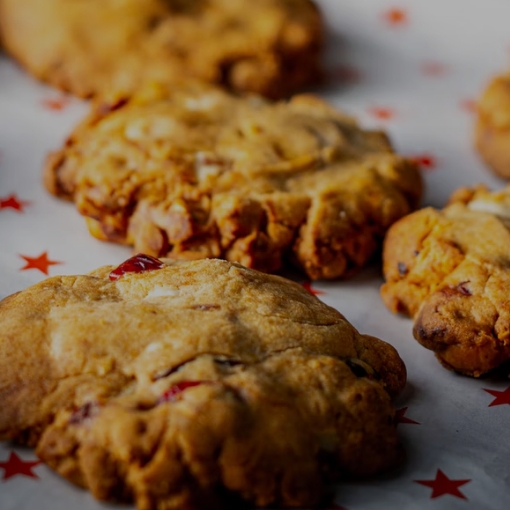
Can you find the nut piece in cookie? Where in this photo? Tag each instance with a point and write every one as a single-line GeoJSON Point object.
{"type": "Point", "coordinates": [450, 270]}
{"type": "Point", "coordinates": [193, 172]}
{"type": "Point", "coordinates": [492, 135]}
{"type": "Point", "coordinates": [177, 386]}
{"type": "Point", "coordinates": [270, 47]}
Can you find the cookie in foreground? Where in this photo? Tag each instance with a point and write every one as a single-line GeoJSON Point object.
{"type": "Point", "coordinates": [192, 171]}
{"type": "Point", "coordinates": [450, 270]}
{"type": "Point", "coordinates": [186, 383]}
{"type": "Point", "coordinates": [492, 136]}
{"type": "Point", "coordinates": [271, 47]}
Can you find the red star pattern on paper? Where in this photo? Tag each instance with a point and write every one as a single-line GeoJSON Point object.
{"type": "Point", "coordinates": [382, 113]}
{"type": "Point", "coordinates": [434, 68]}
{"type": "Point", "coordinates": [42, 263]}
{"type": "Point", "coordinates": [425, 161]}
{"type": "Point", "coordinates": [56, 104]}
{"type": "Point", "coordinates": [16, 466]}
{"type": "Point", "coordinates": [468, 105]}
{"type": "Point", "coordinates": [308, 286]}
{"type": "Point", "coordinates": [345, 73]}
{"type": "Point", "coordinates": [443, 485]}
{"type": "Point", "coordinates": [400, 417]}
{"type": "Point", "coordinates": [13, 202]}
{"type": "Point", "coordinates": [396, 17]}
{"type": "Point", "coordinates": [502, 397]}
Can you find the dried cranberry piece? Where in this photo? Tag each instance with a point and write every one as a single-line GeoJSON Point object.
{"type": "Point", "coordinates": [463, 288]}
{"type": "Point", "coordinates": [174, 392]}
{"type": "Point", "coordinates": [88, 410]}
{"type": "Point", "coordinates": [137, 264]}
{"type": "Point", "coordinates": [106, 108]}
{"type": "Point", "coordinates": [460, 288]}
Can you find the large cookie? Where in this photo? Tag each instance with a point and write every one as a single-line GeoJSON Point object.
{"type": "Point", "coordinates": [450, 270]}
{"type": "Point", "coordinates": [195, 172]}
{"type": "Point", "coordinates": [492, 135]}
{"type": "Point", "coordinates": [271, 47]}
{"type": "Point", "coordinates": [194, 381]}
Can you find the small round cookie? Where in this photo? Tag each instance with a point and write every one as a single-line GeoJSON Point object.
{"type": "Point", "coordinates": [492, 135]}
{"type": "Point", "coordinates": [450, 271]}
{"type": "Point", "coordinates": [177, 385]}
{"type": "Point", "coordinates": [195, 172]}
{"type": "Point", "coordinates": [271, 47]}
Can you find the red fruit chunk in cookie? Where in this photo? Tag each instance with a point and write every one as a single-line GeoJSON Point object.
{"type": "Point", "coordinates": [86, 411]}
{"type": "Point", "coordinates": [173, 393]}
{"type": "Point", "coordinates": [138, 264]}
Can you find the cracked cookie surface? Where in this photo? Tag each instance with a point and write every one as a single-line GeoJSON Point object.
{"type": "Point", "coordinates": [450, 270]}
{"type": "Point", "coordinates": [186, 384]}
{"type": "Point", "coordinates": [89, 47]}
{"type": "Point", "coordinates": [196, 172]}
{"type": "Point", "coordinates": [492, 135]}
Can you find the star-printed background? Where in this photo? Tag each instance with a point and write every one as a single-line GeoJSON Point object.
{"type": "Point", "coordinates": [414, 68]}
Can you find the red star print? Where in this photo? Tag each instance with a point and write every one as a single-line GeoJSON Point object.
{"type": "Point", "coordinates": [382, 113]}
{"type": "Point", "coordinates": [16, 466]}
{"type": "Point", "coordinates": [345, 73]}
{"type": "Point", "coordinates": [396, 17]}
{"type": "Point", "coordinates": [400, 417]}
{"type": "Point", "coordinates": [434, 68]}
{"type": "Point", "coordinates": [42, 263]}
{"type": "Point", "coordinates": [13, 202]}
{"type": "Point", "coordinates": [442, 485]}
{"type": "Point", "coordinates": [468, 105]}
{"type": "Point", "coordinates": [425, 161]}
{"type": "Point", "coordinates": [502, 397]}
{"type": "Point", "coordinates": [308, 287]}
{"type": "Point", "coordinates": [57, 104]}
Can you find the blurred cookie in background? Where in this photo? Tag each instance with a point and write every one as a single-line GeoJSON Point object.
{"type": "Point", "coordinates": [492, 136]}
{"type": "Point", "coordinates": [271, 47]}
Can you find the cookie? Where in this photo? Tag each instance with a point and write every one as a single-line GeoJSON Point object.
{"type": "Point", "coordinates": [271, 47]}
{"type": "Point", "coordinates": [492, 135]}
{"type": "Point", "coordinates": [450, 270]}
{"type": "Point", "coordinates": [177, 385]}
{"type": "Point", "coordinates": [195, 172]}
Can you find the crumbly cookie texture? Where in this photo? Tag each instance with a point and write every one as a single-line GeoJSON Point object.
{"type": "Point", "coordinates": [271, 47]}
{"type": "Point", "coordinates": [492, 135]}
{"type": "Point", "coordinates": [194, 172]}
{"type": "Point", "coordinates": [182, 385]}
{"type": "Point", "coordinates": [450, 270]}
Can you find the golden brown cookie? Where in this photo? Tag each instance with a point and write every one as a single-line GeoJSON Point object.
{"type": "Point", "coordinates": [492, 135]}
{"type": "Point", "coordinates": [271, 47]}
{"type": "Point", "coordinates": [178, 385]}
{"type": "Point", "coordinates": [450, 270]}
{"type": "Point", "coordinates": [194, 172]}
